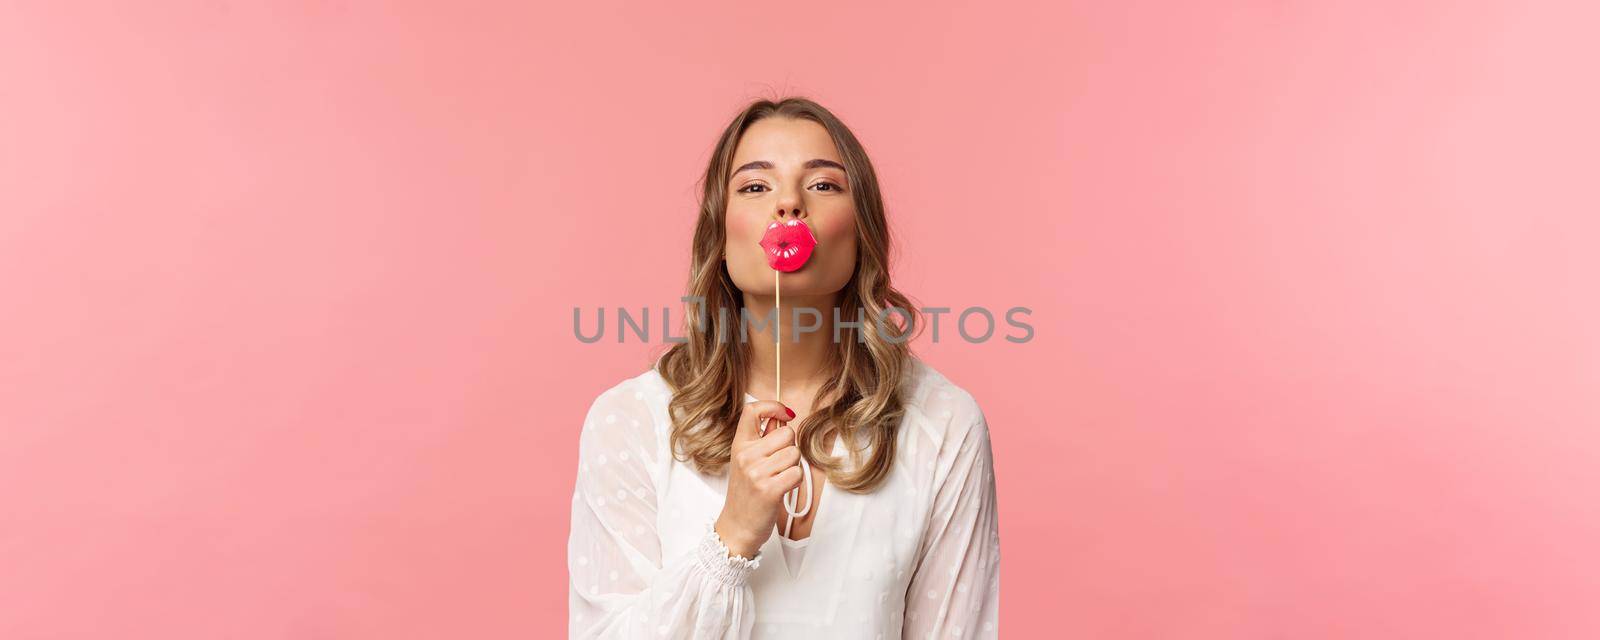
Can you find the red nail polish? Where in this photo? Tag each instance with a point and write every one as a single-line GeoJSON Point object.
{"type": "Point", "coordinates": [790, 411]}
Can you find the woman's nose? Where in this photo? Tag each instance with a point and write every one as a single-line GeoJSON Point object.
{"type": "Point", "coordinates": [789, 204]}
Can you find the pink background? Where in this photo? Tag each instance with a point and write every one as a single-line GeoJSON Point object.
{"type": "Point", "coordinates": [286, 292]}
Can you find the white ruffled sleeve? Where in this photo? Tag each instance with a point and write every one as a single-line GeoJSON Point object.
{"type": "Point", "coordinates": [955, 592]}
{"type": "Point", "coordinates": [619, 585]}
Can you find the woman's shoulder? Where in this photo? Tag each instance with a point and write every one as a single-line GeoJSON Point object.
{"type": "Point", "coordinates": [944, 410]}
{"type": "Point", "coordinates": [625, 413]}
{"type": "Point", "coordinates": [637, 391]}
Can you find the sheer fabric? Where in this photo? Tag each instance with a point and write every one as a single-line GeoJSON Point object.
{"type": "Point", "coordinates": [918, 557]}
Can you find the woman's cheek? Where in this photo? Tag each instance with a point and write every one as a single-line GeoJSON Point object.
{"type": "Point", "coordinates": [744, 235]}
{"type": "Point", "coordinates": [835, 230]}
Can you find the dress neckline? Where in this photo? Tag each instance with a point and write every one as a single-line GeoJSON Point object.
{"type": "Point", "coordinates": [796, 544]}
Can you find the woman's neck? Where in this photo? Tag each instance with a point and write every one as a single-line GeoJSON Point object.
{"type": "Point", "coordinates": [804, 355]}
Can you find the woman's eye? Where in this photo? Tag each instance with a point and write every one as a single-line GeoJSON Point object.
{"type": "Point", "coordinates": [751, 188]}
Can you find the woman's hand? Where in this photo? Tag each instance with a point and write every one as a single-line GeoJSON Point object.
{"type": "Point", "coordinates": [761, 469]}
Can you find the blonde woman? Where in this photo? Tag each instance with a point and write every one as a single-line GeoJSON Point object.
{"type": "Point", "coordinates": [860, 506]}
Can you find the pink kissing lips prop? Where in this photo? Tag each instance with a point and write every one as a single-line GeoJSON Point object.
{"type": "Point", "coordinates": [788, 244]}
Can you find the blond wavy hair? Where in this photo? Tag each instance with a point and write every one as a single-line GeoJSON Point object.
{"type": "Point", "coordinates": [707, 374]}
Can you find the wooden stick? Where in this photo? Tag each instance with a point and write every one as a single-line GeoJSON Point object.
{"type": "Point", "coordinates": [791, 499]}
{"type": "Point", "coordinates": [777, 343]}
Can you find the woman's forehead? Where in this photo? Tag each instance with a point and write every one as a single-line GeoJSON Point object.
{"type": "Point", "coordinates": [785, 141]}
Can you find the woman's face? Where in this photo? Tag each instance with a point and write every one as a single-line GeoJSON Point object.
{"type": "Point", "coordinates": [783, 169]}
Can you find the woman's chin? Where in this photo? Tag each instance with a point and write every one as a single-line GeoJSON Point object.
{"type": "Point", "coordinates": [797, 285]}
{"type": "Point", "coordinates": [810, 280]}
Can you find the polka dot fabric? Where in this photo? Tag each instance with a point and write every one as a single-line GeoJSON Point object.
{"type": "Point", "coordinates": [918, 557]}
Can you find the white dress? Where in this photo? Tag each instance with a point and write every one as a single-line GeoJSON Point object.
{"type": "Point", "coordinates": [918, 557]}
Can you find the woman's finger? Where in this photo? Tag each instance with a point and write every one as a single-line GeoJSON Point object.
{"type": "Point", "coordinates": [778, 436]}
{"type": "Point", "coordinates": [750, 421]}
{"type": "Point", "coordinates": [779, 460]}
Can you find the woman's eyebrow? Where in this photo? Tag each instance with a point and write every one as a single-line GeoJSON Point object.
{"type": "Point", "coordinates": [810, 164]}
